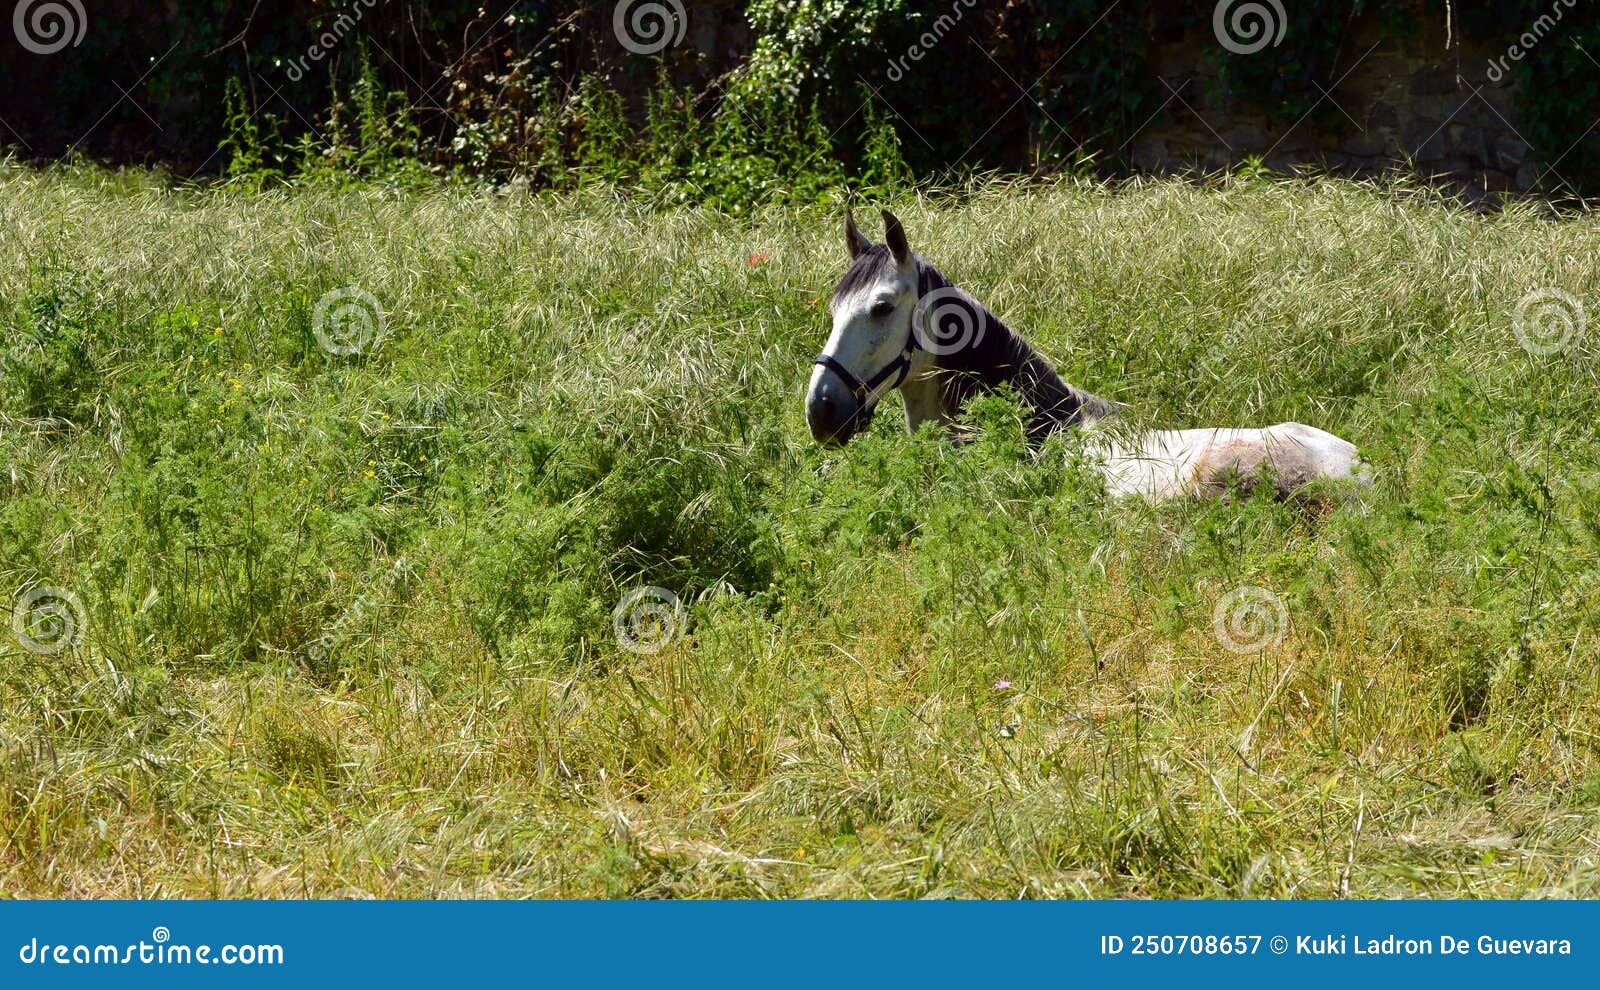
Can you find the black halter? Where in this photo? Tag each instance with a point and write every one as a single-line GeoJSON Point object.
{"type": "Point", "coordinates": [899, 368]}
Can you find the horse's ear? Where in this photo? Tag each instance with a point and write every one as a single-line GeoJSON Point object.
{"type": "Point", "coordinates": [853, 238]}
{"type": "Point", "coordinates": [895, 236]}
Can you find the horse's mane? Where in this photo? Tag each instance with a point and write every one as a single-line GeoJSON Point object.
{"type": "Point", "coordinates": [868, 268]}
{"type": "Point", "coordinates": [999, 356]}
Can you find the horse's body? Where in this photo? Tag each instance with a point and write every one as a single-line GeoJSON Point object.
{"type": "Point", "coordinates": [901, 323]}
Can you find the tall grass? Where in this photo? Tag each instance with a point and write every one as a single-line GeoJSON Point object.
{"type": "Point", "coordinates": [346, 621]}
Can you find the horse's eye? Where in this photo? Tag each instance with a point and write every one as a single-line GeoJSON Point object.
{"type": "Point", "coordinates": [881, 311]}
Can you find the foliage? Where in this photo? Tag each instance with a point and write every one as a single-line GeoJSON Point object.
{"type": "Point", "coordinates": [1560, 94]}
{"type": "Point", "coordinates": [796, 100]}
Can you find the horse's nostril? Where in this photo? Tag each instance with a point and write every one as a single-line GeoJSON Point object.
{"type": "Point", "coordinates": [827, 418]}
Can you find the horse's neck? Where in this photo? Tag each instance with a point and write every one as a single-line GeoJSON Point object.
{"type": "Point", "coordinates": [999, 357]}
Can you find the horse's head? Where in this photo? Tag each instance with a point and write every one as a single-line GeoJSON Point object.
{"type": "Point", "coordinates": [869, 352]}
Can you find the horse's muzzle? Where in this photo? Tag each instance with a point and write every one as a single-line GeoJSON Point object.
{"type": "Point", "coordinates": [832, 413]}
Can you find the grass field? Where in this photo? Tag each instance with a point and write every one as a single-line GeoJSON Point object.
{"type": "Point", "coordinates": [295, 622]}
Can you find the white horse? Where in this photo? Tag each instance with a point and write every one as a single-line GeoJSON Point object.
{"type": "Point", "coordinates": [898, 323]}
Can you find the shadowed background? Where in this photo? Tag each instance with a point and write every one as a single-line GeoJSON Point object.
{"type": "Point", "coordinates": [737, 99]}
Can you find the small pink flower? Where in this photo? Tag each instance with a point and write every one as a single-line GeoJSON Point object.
{"type": "Point", "coordinates": [1001, 685]}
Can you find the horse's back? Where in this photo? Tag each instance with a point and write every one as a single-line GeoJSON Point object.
{"type": "Point", "coordinates": [1168, 463]}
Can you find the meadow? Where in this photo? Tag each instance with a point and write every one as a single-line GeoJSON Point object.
{"type": "Point", "coordinates": [299, 613]}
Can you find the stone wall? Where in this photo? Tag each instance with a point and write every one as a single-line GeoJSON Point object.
{"type": "Point", "coordinates": [1439, 117]}
{"type": "Point", "coordinates": [1414, 103]}
{"type": "Point", "coordinates": [1418, 104]}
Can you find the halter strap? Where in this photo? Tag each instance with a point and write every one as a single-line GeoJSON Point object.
{"type": "Point", "coordinates": [900, 367]}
